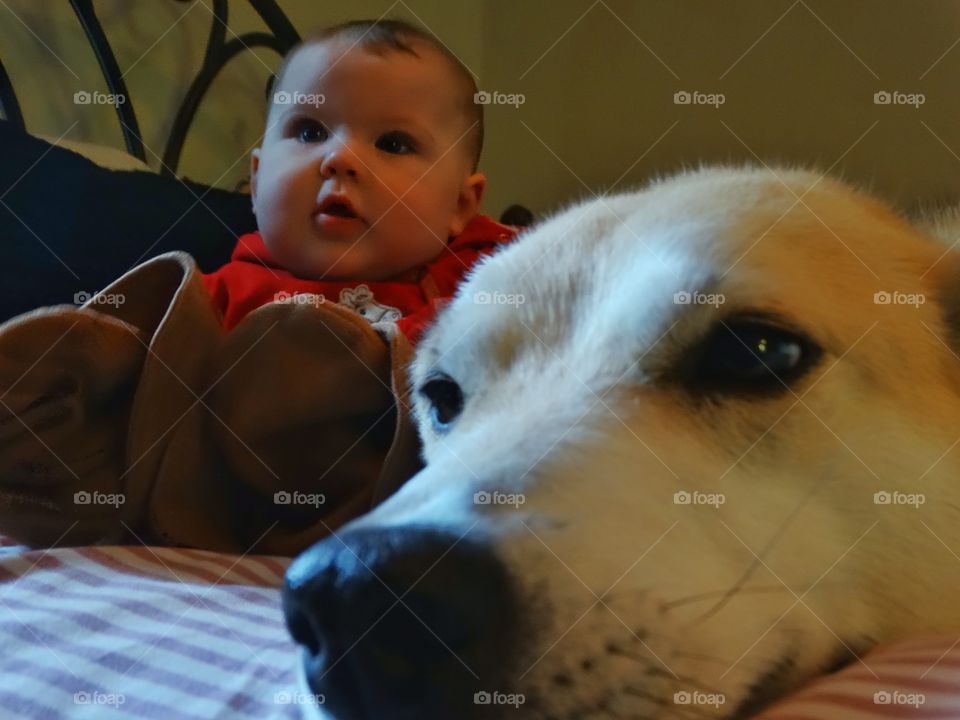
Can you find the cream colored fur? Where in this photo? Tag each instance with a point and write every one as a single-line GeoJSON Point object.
{"type": "Point", "coordinates": [568, 402]}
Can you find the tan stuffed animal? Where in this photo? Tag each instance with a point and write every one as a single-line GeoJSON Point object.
{"type": "Point", "coordinates": [139, 420]}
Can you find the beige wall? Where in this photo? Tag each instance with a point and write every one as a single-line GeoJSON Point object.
{"type": "Point", "coordinates": [802, 92]}
{"type": "Point", "coordinates": [598, 78]}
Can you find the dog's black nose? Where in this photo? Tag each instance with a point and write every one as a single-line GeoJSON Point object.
{"type": "Point", "coordinates": [402, 623]}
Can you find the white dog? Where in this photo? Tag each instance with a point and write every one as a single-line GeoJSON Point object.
{"type": "Point", "coordinates": [686, 448]}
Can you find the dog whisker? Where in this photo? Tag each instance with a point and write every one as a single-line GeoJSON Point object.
{"type": "Point", "coordinates": [667, 705]}
{"type": "Point", "coordinates": [612, 648]}
{"type": "Point", "coordinates": [701, 656]}
{"type": "Point", "coordinates": [705, 596]}
{"type": "Point", "coordinates": [758, 559]}
{"type": "Point", "coordinates": [693, 682]}
{"type": "Point", "coordinates": [674, 641]}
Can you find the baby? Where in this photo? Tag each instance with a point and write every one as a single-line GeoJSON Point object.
{"type": "Point", "coordinates": [367, 171]}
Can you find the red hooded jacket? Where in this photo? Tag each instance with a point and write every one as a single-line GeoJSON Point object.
{"type": "Point", "coordinates": [252, 278]}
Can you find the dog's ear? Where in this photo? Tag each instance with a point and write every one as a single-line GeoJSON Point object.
{"type": "Point", "coordinates": [947, 284]}
{"type": "Point", "coordinates": [943, 282]}
{"type": "Point", "coordinates": [942, 277]}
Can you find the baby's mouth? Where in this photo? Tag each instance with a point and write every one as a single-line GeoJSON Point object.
{"type": "Point", "coordinates": [338, 206]}
{"type": "Point", "coordinates": [339, 210]}
{"type": "Point", "coordinates": [336, 216]}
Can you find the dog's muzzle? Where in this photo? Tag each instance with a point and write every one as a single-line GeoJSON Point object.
{"type": "Point", "coordinates": [402, 623]}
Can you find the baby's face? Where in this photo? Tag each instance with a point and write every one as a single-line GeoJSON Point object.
{"type": "Point", "coordinates": [388, 139]}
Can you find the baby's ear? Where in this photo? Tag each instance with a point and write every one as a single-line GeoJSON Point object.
{"type": "Point", "coordinates": [254, 167]}
{"type": "Point", "coordinates": [468, 201]}
{"type": "Point", "coordinates": [268, 89]}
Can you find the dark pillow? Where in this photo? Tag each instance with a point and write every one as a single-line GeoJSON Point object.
{"type": "Point", "coordinates": [68, 225]}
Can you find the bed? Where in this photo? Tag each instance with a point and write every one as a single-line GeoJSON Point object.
{"type": "Point", "coordinates": [132, 631]}
{"type": "Point", "coordinates": [137, 631]}
{"type": "Point", "coordinates": [143, 632]}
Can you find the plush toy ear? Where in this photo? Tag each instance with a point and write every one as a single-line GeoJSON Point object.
{"type": "Point", "coordinates": [67, 380]}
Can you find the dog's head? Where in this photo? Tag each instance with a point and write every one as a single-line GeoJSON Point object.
{"type": "Point", "coordinates": [685, 449]}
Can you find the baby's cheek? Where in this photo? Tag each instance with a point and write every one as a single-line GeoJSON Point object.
{"type": "Point", "coordinates": [430, 205]}
{"type": "Point", "coordinates": [395, 216]}
{"type": "Point", "coordinates": [290, 186]}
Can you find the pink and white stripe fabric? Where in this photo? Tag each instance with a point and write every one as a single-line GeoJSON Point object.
{"type": "Point", "coordinates": [136, 632]}
{"type": "Point", "coordinates": [917, 678]}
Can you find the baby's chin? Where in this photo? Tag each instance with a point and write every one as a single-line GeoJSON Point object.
{"type": "Point", "coordinates": [316, 259]}
{"type": "Point", "coordinates": [332, 270]}
{"type": "Point", "coordinates": [320, 259]}
{"type": "Point", "coordinates": [335, 262]}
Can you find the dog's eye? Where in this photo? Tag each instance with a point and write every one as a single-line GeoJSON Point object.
{"type": "Point", "coordinates": [752, 356]}
{"type": "Point", "coordinates": [445, 398]}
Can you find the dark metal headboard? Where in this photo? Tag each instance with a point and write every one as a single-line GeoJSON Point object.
{"type": "Point", "coordinates": [219, 52]}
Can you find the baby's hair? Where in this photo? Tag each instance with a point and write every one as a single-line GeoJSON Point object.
{"type": "Point", "coordinates": [380, 36]}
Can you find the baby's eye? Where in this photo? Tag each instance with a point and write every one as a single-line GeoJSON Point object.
{"type": "Point", "coordinates": [396, 143]}
{"type": "Point", "coordinates": [309, 131]}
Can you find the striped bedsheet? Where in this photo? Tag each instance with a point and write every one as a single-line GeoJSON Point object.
{"type": "Point", "coordinates": [917, 678]}
{"type": "Point", "coordinates": [137, 632]}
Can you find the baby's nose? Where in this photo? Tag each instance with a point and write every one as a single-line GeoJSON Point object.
{"type": "Point", "coordinates": [341, 160]}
